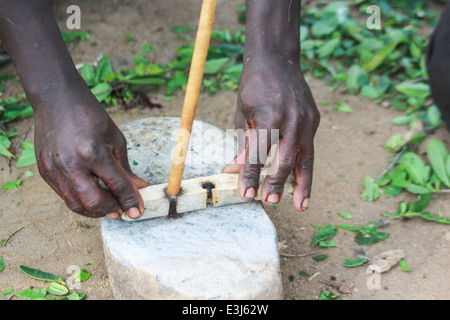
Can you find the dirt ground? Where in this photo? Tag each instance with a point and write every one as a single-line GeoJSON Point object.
{"type": "Point", "coordinates": [348, 147]}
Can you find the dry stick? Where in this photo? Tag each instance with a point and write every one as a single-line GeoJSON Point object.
{"type": "Point", "coordinates": [300, 254]}
{"type": "Point", "coordinates": [11, 234]}
{"type": "Point", "coordinates": [192, 92]}
{"type": "Point", "coordinates": [391, 165]}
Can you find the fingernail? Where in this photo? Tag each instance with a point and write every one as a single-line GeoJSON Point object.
{"type": "Point", "coordinates": [273, 198]}
{"type": "Point", "coordinates": [134, 213]}
{"type": "Point", "coordinates": [305, 203]}
{"type": "Point", "coordinates": [250, 193]}
{"type": "Point", "coordinates": [113, 215]}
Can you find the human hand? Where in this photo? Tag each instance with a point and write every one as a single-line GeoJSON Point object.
{"type": "Point", "coordinates": [76, 144]}
{"type": "Point", "coordinates": [273, 94]}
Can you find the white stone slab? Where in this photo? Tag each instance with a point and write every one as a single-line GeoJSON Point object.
{"type": "Point", "coordinates": [227, 252]}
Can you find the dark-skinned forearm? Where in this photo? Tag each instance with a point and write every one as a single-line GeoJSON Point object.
{"type": "Point", "coordinates": [273, 26]}
{"type": "Point", "coordinates": [33, 39]}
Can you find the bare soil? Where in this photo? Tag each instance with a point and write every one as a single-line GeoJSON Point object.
{"type": "Point", "coordinates": [348, 147]}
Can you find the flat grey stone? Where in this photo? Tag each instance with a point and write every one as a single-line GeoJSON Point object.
{"type": "Point", "coordinates": [227, 252]}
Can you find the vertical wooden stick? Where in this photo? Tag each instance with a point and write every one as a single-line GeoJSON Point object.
{"type": "Point", "coordinates": [201, 46]}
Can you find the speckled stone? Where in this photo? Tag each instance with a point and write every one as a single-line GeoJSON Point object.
{"type": "Point", "coordinates": [227, 252]}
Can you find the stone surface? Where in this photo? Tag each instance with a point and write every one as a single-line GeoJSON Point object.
{"type": "Point", "coordinates": [228, 252]}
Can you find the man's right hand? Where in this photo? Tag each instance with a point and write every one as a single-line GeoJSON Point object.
{"type": "Point", "coordinates": [80, 144]}
{"type": "Point", "coordinates": [76, 142]}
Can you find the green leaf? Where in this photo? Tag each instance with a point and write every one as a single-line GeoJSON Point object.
{"type": "Point", "coordinates": [320, 258]}
{"type": "Point", "coordinates": [414, 188]}
{"type": "Point", "coordinates": [380, 56]}
{"type": "Point", "coordinates": [147, 81]}
{"type": "Point", "coordinates": [2, 264]}
{"type": "Point", "coordinates": [11, 184]}
{"type": "Point", "coordinates": [104, 68]}
{"type": "Point", "coordinates": [81, 275]}
{"type": "Point", "coordinates": [178, 81]}
{"type": "Point", "coordinates": [88, 73]}
{"type": "Point", "coordinates": [371, 190]}
{"type": "Point", "coordinates": [437, 155]}
{"type": "Point", "coordinates": [434, 116]}
{"type": "Point", "coordinates": [32, 294]}
{"type": "Point", "coordinates": [345, 214]}
{"type": "Point", "coordinates": [422, 202]}
{"type": "Point", "coordinates": [343, 107]}
{"type": "Point", "coordinates": [324, 233]}
{"type": "Point", "coordinates": [329, 243]}
{"type": "Point", "coordinates": [354, 263]}
{"type": "Point", "coordinates": [147, 48]}
{"type": "Point", "coordinates": [27, 157]}
{"type": "Point", "coordinates": [328, 48]}
{"type": "Point", "coordinates": [7, 291]}
{"type": "Point", "coordinates": [74, 296]}
{"type": "Point", "coordinates": [15, 112]}
{"type": "Point", "coordinates": [182, 29]}
{"type": "Point", "coordinates": [414, 166]}
{"type": "Point", "coordinates": [71, 36]}
{"type": "Point", "coordinates": [327, 295]}
{"type": "Point", "coordinates": [356, 78]}
{"type": "Point", "coordinates": [414, 89]}
{"type": "Point", "coordinates": [402, 120]}
{"type": "Point", "coordinates": [57, 289]}
{"type": "Point", "coordinates": [101, 90]}
{"type": "Point", "coordinates": [365, 239]}
{"type": "Point", "coordinates": [140, 60]}
{"type": "Point", "coordinates": [429, 216]}
{"type": "Point", "coordinates": [213, 66]}
{"type": "Point", "coordinates": [333, 15]}
{"type": "Point", "coordinates": [403, 265]}
{"type": "Point", "coordinates": [447, 165]}
{"type": "Point", "coordinates": [5, 152]}
{"type": "Point", "coordinates": [5, 143]}
{"type": "Point", "coordinates": [394, 143]}
{"type": "Point", "coordinates": [40, 275]}
{"type": "Point", "coordinates": [349, 227]}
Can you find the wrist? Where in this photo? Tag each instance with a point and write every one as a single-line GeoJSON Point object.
{"type": "Point", "coordinates": [44, 90]}
{"type": "Point", "coordinates": [273, 28]}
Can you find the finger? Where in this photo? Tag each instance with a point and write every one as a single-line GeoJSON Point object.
{"type": "Point", "coordinates": [239, 160]}
{"type": "Point", "coordinates": [255, 158]}
{"type": "Point", "coordinates": [282, 165]}
{"type": "Point", "coordinates": [120, 185]}
{"type": "Point", "coordinates": [235, 165]}
{"type": "Point", "coordinates": [57, 181]}
{"type": "Point", "coordinates": [96, 200]}
{"type": "Point", "coordinates": [120, 154]}
{"type": "Point", "coordinates": [303, 173]}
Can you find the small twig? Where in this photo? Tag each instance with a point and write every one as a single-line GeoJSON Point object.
{"type": "Point", "coordinates": [4, 243]}
{"type": "Point", "coordinates": [392, 164]}
{"type": "Point", "coordinates": [313, 276]}
{"type": "Point", "coordinates": [330, 284]}
{"type": "Point", "coordinates": [300, 254]}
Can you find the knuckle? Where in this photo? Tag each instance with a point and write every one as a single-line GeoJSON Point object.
{"type": "Point", "coordinates": [307, 162]}
{"type": "Point", "coordinates": [46, 167]}
{"type": "Point", "coordinates": [251, 174]}
{"type": "Point", "coordinates": [89, 152]}
{"type": "Point", "coordinates": [276, 184]}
